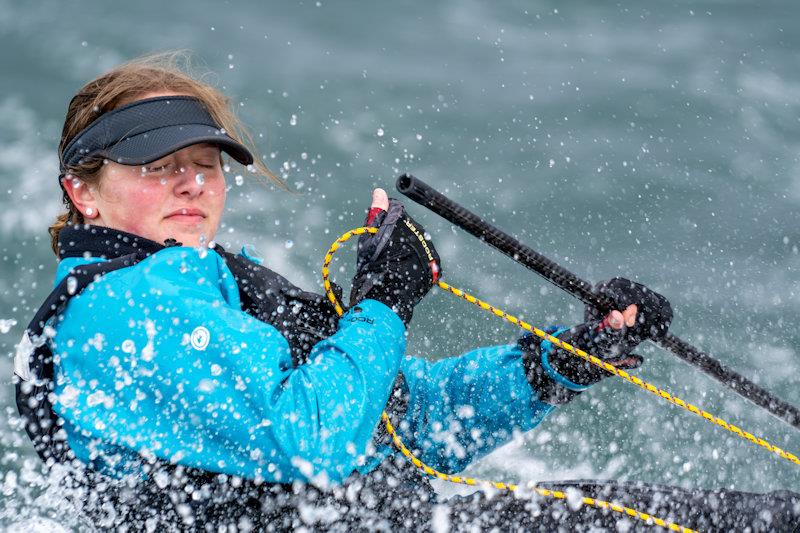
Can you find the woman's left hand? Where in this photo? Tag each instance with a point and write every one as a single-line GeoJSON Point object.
{"type": "Point", "coordinates": [617, 320]}
{"type": "Point", "coordinates": [641, 314]}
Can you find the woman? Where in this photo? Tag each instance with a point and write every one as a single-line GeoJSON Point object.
{"type": "Point", "coordinates": [195, 388]}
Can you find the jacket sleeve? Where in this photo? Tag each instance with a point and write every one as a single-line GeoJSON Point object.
{"type": "Point", "coordinates": [462, 408]}
{"type": "Point", "coordinates": [158, 358]}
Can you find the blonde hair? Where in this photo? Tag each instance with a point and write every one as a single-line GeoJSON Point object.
{"type": "Point", "coordinates": [169, 72]}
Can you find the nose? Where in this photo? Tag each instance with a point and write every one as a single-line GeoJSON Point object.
{"type": "Point", "coordinates": [189, 181]}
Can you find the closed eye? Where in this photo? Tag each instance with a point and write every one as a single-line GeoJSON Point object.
{"type": "Point", "coordinates": [155, 169]}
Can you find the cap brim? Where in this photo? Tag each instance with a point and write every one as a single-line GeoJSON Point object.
{"type": "Point", "coordinates": [148, 147]}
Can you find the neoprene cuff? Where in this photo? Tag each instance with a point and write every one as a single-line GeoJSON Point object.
{"type": "Point", "coordinates": [547, 348]}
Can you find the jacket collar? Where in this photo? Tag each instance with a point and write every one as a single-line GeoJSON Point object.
{"type": "Point", "coordinates": [81, 240]}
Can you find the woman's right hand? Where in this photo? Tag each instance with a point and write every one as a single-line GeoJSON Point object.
{"type": "Point", "coordinates": [398, 265]}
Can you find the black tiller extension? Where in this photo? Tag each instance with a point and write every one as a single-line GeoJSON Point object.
{"type": "Point", "coordinates": [429, 197]}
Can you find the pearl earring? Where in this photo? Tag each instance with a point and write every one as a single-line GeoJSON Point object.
{"type": "Point", "coordinates": [89, 211]}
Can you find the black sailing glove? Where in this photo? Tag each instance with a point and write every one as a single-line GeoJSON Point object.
{"type": "Point", "coordinates": [563, 375]}
{"type": "Point", "coordinates": [398, 265]}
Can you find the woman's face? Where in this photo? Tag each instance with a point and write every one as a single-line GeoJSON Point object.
{"type": "Point", "coordinates": [180, 196]}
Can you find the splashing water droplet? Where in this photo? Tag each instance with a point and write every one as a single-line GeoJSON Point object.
{"type": "Point", "coordinates": [293, 120]}
{"type": "Point", "coordinates": [6, 324]}
{"type": "Point", "coordinates": [288, 244]}
{"type": "Point", "coordinates": [239, 179]}
{"type": "Point", "coordinates": [202, 249]}
{"type": "Point", "coordinates": [380, 132]}
{"type": "Point", "coordinates": [72, 285]}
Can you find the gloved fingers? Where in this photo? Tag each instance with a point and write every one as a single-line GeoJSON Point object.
{"type": "Point", "coordinates": [653, 314]}
{"type": "Point", "coordinates": [629, 315]}
{"type": "Point", "coordinates": [370, 246]}
{"type": "Point", "coordinates": [618, 319]}
{"type": "Point", "coordinates": [380, 203]}
{"type": "Point", "coordinates": [386, 222]}
{"type": "Point", "coordinates": [614, 320]}
{"type": "Point", "coordinates": [375, 217]}
{"type": "Point", "coordinates": [399, 236]}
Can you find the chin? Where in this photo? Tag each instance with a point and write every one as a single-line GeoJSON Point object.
{"type": "Point", "coordinates": [189, 236]}
{"type": "Point", "coordinates": [193, 240]}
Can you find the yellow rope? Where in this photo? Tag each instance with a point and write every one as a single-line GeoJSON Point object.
{"type": "Point", "coordinates": [545, 493]}
{"type": "Point", "coordinates": [661, 393]}
{"type": "Point", "coordinates": [573, 350]}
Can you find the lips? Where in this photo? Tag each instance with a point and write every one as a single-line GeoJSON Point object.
{"type": "Point", "coordinates": [188, 214]}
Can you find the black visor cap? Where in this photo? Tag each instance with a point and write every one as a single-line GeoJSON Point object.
{"type": "Point", "coordinates": [146, 130]}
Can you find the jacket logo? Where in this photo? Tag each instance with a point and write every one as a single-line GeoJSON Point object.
{"type": "Point", "coordinates": [419, 236]}
{"type": "Point", "coordinates": [366, 319]}
{"type": "Point", "coordinates": [200, 338]}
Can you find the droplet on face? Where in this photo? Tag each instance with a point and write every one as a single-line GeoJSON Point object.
{"type": "Point", "coordinates": [200, 178]}
{"type": "Point", "coordinates": [202, 249]}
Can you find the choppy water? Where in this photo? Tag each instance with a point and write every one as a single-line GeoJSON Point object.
{"type": "Point", "coordinates": [658, 142]}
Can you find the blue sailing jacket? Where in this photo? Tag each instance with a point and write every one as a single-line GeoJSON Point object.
{"type": "Point", "coordinates": [159, 360]}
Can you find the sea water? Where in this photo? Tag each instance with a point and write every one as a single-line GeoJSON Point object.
{"type": "Point", "coordinates": [657, 142]}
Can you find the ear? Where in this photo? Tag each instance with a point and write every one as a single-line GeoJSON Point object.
{"type": "Point", "coordinates": [81, 195]}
